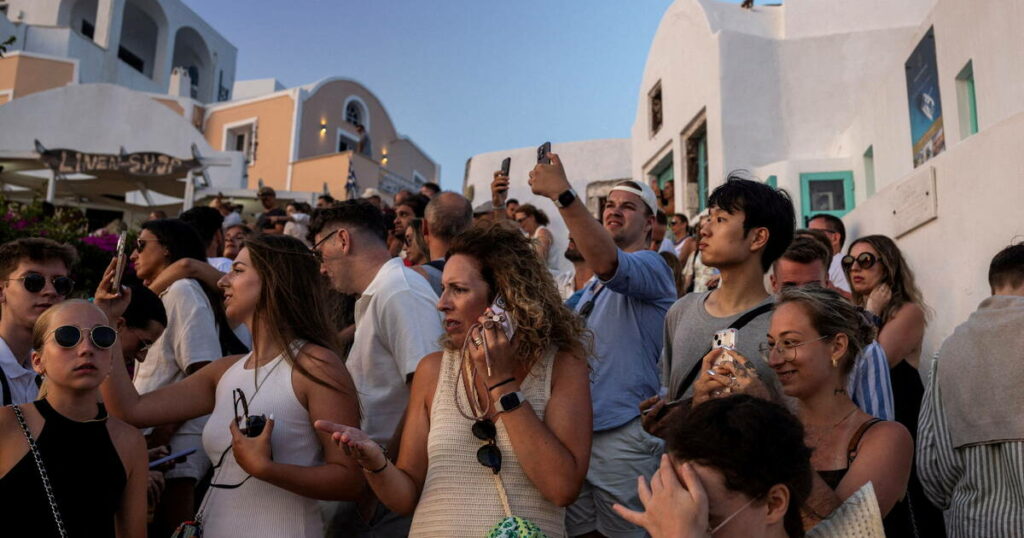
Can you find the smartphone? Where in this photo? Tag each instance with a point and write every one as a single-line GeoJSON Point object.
{"type": "Point", "coordinates": [542, 153]}
{"type": "Point", "coordinates": [122, 261]}
{"type": "Point", "coordinates": [172, 457]}
{"type": "Point", "coordinates": [499, 309]}
{"type": "Point", "coordinates": [505, 165]}
{"type": "Point", "coordinates": [726, 338]}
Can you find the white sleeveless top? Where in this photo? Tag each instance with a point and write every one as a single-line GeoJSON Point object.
{"type": "Point", "coordinates": [555, 251]}
{"type": "Point", "coordinates": [460, 498]}
{"type": "Point", "coordinates": [258, 508]}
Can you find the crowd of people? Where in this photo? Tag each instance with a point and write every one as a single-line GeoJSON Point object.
{"type": "Point", "coordinates": [428, 369]}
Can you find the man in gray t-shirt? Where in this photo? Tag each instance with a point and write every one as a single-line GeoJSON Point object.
{"type": "Point", "coordinates": [690, 329]}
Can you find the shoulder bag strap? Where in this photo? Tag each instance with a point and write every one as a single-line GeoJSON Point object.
{"type": "Point", "coordinates": [851, 450]}
{"type": "Point", "coordinates": [740, 322]}
{"type": "Point", "coordinates": [42, 470]}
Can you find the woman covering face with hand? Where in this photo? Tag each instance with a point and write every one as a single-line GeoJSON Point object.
{"type": "Point", "coordinates": [495, 426]}
{"type": "Point", "coordinates": [95, 465]}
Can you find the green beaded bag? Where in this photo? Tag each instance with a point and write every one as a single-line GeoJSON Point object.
{"type": "Point", "coordinates": [512, 526]}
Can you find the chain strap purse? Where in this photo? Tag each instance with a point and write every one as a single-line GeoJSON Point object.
{"type": "Point", "coordinates": [42, 471]}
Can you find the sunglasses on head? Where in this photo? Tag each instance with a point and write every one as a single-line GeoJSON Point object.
{"type": "Point", "coordinates": [488, 455]}
{"type": "Point", "coordinates": [35, 282]}
{"type": "Point", "coordinates": [69, 336]}
{"type": "Point", "coordinates": [866, 260]}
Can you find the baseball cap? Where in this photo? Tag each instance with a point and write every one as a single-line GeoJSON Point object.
{"type": "Point", "coordinates": [370, 193]}
{"type": "Point", "coordinates": [266, 191]}
{"type": "Point", "coordinates": [640, 189]}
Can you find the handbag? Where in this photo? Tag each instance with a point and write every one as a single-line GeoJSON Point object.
{"type": "Point", "coordinates": [42, 471]}
{"type": "Point", "coordinates": [512, 526]}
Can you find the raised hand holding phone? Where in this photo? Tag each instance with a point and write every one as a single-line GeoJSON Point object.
{"type": "Point", "coordinates": [549, 180]}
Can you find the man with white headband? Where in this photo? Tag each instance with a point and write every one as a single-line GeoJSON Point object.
{"type": "Point", "coordinates": [624, 305]}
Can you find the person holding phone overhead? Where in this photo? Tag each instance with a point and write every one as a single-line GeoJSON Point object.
{"type": "Point", "coordinates": [495, 427]}
{"type": "Point", "coordinates": [624, 306]}
{"type": "Point", "coordinates": [266, 480]}
{"type": "Point", "coordinates": [66, 468]}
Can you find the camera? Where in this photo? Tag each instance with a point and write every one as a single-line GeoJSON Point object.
{"type": "Point", "coordinates": [254, 425]}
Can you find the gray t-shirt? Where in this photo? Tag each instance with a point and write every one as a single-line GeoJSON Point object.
{"type": "Point", "coordinates": [689, 330]}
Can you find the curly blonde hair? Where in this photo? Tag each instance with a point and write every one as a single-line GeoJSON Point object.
{"type": "Point", "coordinates": [512, 270]}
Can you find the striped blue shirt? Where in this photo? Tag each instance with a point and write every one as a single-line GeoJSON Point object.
{"type": "Point", "coordinates": [979, 488]}
{"type": "Point", "coordinates": [869, 385]}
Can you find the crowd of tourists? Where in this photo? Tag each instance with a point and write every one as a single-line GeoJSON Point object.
{"type": "Point", "coordinates": [426, 369]}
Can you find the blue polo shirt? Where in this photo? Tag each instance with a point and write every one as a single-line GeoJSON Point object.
{"type": "Point", "coordinates": [627, 319]}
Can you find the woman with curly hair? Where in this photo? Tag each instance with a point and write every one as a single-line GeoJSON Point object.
{"type": "Point", "coordinates": [497, 424]}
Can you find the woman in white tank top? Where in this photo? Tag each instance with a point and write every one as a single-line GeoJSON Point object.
{"type": "Point", "coordinates": [535, 223]}
{"type": "Point", "coordinates": [531, 408]}
{"type": "Point", "coordinates": [268, 484]}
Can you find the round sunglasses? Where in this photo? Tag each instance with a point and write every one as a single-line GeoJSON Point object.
{"type": "Point", "coordinates": [35, 282]}
{"type": "Point", "coordinates": [69, 336]}
{"type": "Point", "coordinates": [488, 455]}
{"type": "Point", "coordinates": [866, 260]}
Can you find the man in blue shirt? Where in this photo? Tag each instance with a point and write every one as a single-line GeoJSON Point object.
{"type": "Point", "coordinates": [624, 305]}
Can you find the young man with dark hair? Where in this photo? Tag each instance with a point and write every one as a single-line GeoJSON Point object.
{"type": "Point", "coordinates": [266, 220]}
{"type": "Point", "coordinates": [749, 226]}
{"type": "Point", "coordinates": [660, 242]}
{"type": "Point", "coordinates": [970, 440]}
{"type": "Point", "coordinates": [805, 263]}
{"type": "Point", "coordinates": [396, 324]}
{"type": "Point", "coordinates": [33, 277]}
{"type": "Point", "coordinates": [410, 207]}
{"type": "Point", "coordinates": [624, 306]}
{"type": "Point", "coordinates": [208, 222]}
{"type": "Point", "coordinates": [429, 189]}
{"type": "Point", "coordinates": [836, 231]}
{"type": "Point", "coordinates": [510, 208]}
{"type": "Point", "coordinates": [324, 201]}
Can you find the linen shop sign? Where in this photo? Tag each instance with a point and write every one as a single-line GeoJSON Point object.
{"type": "Point", "coordinates": [69, 161]}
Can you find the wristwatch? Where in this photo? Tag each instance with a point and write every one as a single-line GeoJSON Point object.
{"type": "Point", "coordinates": [510, 401]}
{"type": "Point", "coordinates": [565, 199]}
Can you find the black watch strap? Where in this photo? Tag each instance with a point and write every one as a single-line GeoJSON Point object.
{"type": "Point", "coordinates": [566, 198]}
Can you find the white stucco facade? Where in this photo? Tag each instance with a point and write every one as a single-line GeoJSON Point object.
{"type": "Point", "coordinates": [131, 43]}
{"type": "Point", "coordinates": [592, 166]}
{"type": "Point", "coordinates": [817, 89]}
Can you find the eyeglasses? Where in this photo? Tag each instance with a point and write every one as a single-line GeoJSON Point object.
{"type": "Point", "coordinates": [866, 260]}
{"type": "Point", "coordinates": [730, 518]}
{"type": "Point", "coordinates": [522, 220]}
{"type": "Point", "coordinates": [488, 455]}
{"type": "Point", "coordinates": [784, 349]}
{"type": "Point", "coordinates": [69, 336]}
{"type": "Point", "coordinates": [35, 282]}
{"type": "Point", "coordinates": [140, 244]}
{"type": "Point", "coordinates": [316, 248]}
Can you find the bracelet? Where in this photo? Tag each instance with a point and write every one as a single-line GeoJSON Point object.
{"type": "Point", "coordinates": [874, 318]}
{"type": "Point", "coordinates": [382, 467]}
{"type": "Point", "coordinates": [500, 383]}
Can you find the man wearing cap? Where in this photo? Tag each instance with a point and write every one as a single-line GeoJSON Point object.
{"type": "Point", "coordinates": [373, 196]}
{"type": "Point", "coordinates": [268, 199]}
{"type": "Point", "coordinates": [624, 305]}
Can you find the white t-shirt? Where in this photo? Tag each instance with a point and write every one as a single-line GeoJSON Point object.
{"type": "Point", "coordinates": [21, 380]}
{"type": "Point", "coordinates": [566, 283]}
{"type": "Point", "coordinates": [190, 337]}
{"type": "Point", "coordinates": [221, 264]}
{"type": "Point", "coordinates": [836, 274]}
{"type": "Point", "coordinates": [667, 246]}
{"type": "Point", "coordinates": [298, 227]}
{"type": "Point", "coordinates": [397, 324]}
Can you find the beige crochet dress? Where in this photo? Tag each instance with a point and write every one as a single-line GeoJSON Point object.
{"type": "Point", "coordinates": [460, 498]}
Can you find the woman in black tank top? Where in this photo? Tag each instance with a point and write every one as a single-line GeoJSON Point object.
{"type": "Point", "coordinates": [95, 465]}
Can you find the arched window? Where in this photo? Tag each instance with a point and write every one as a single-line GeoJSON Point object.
{"type": "Point", "coordinates": [354, 113]}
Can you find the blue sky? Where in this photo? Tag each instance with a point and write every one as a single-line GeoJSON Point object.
{"type": "Point", "coordinates": [459, 77]}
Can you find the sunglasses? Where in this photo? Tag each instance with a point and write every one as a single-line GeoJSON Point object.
{"type": "Point", "coordinates": [35, 282]}
{"type": "Point", "coordinates": [249, 425]}
{"type": "Point", "coordinates": [488, 455]}
{"type": "Point", "coordinates": [140, 244]}
{"type": "Point", "coordinates": [69, 336]}
{"type": "Point", "coordinates": [866, 260]}
{"type": "Point", "coordinates": [522, 220]}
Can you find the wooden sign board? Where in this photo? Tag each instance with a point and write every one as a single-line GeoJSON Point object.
{"type": "Point", "coordinates": [915, 202]}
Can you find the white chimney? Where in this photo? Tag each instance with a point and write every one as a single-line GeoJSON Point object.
{"type": "Point", "coordinates": [181, 83]}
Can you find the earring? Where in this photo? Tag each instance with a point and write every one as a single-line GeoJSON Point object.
{"type": "Point", "coordinates": [835, 362]}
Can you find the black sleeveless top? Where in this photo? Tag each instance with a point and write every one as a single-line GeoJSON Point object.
{"type": "Point", "coordinates": [899, 521]}
{"type": "Point", "coordinates": [86, 476]}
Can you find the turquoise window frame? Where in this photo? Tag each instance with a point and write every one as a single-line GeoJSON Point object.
{"type": "Point", "coordinates": [702, 172]}
{"type": "Point", "coordinates": [968, 100]}
{"type": "Point", "coordinates": [805, 192]}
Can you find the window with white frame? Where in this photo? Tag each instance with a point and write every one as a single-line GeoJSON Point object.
{"type": "Point", "coordinates": [242, 137]}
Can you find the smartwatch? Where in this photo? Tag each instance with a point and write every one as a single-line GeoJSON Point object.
{"type": "Point", "coordinates": [565, 199]}
{"type": "Point", "coordinates": [510, 401]}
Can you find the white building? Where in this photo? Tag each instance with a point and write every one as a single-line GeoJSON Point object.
{"type": "Point", "coordinates": [813, 96]}
{"type": "Point", "coordinates": [592, 166]}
